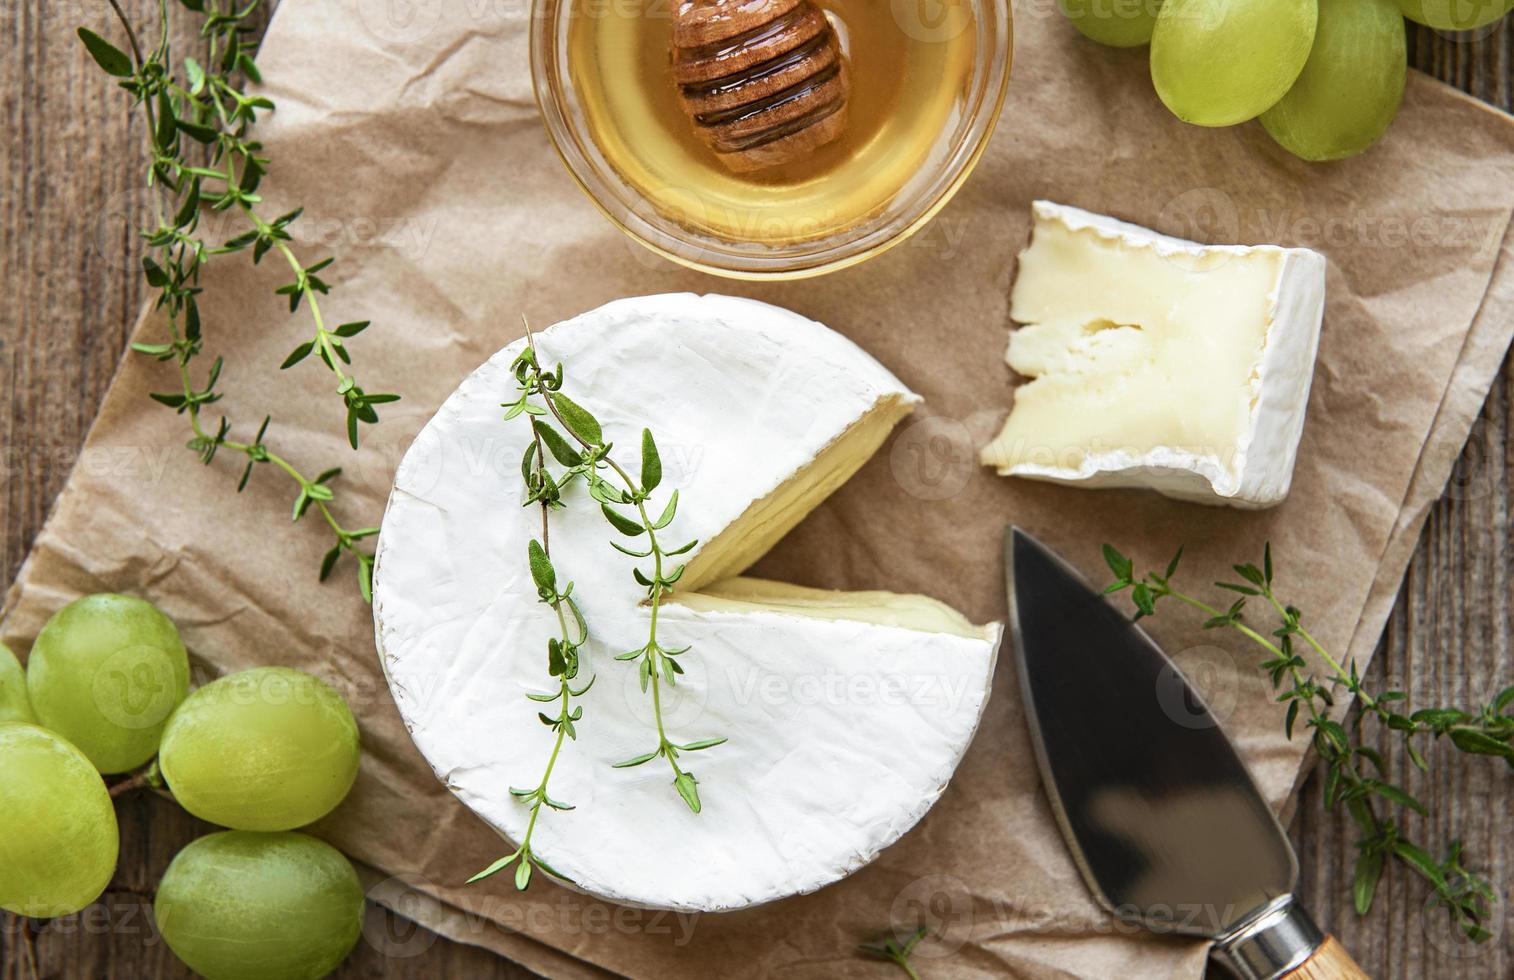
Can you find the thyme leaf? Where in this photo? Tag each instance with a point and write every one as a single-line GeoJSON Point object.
{"type": "Point", "coordinates": [896, 952]}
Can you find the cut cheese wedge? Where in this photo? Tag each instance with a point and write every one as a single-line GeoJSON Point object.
{"type": "Point", "coordinates": [911, 612]}
{"type": "Point", "coordinates": [1156, 362]}
{"type": "Point", "coordinates": [846, 713]}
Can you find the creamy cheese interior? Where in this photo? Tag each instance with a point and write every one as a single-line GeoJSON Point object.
{"type": "Point", "coordinates": [915, 612]}
{"type": "Point", "coordinates": [712, 580]}
{"type": "Point", "coordinates": [1131, 348]}
{"type": "Point", "coordinates": [766, 521]}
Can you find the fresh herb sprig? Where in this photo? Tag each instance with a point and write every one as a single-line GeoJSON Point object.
{"type": "Point", "coordinates": [209, 110]}
{"type": "Point", "coordinates": [585, 454]}
{"type": "Point", "coordinates": [563, 650]}
{"type": "Point", "coordinates": [896, 952]}
{"type": "Point", "coordinates": [1356, 774]}
{"type": "Point", "coordinates": [205, 163]}
{"type": "Point", "coordinates": [563, 662]}
{"type": "Point", "coordinates": [540, 400]}
{"type": "Point", "coordinates": [657, 663]}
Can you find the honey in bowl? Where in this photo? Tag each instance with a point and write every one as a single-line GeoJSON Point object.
{"type": "Point", "coordinates": [796, 145]}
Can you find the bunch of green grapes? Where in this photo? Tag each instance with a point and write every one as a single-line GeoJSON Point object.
{"type": "Point", "coordinates": [261, 752]}
{"type": "Point", "coordinates": [1325, 77]}
{"type": "Point", "coordinates": [103, 676]}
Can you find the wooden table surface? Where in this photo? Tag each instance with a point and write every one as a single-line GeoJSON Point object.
{"type": "Point", "coordinates": [69, 147]}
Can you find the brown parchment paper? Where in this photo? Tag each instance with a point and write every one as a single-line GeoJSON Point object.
{"type": "Point", "coordinates": [410, 133]}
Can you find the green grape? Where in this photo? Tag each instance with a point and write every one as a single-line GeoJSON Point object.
{"type": "Point", "coordinates": [1455, 15]}
{"type": "Point", "coordinates": [265, 749]}
{"type": "Point", "coordinates": [244, 906]}
{"type": "Point", "coordinates": [105, 673]}
{"type": "Point", "coordinates": [1221, 62]}
{"type": "Point", "coordinates": [1117, 23]}
{"type": "Point", "coordinates": [14, 704]}
{"type": "Point", "coordinates": [1351, 86]}
{"type": "Point", "coordinates": [58, 836]}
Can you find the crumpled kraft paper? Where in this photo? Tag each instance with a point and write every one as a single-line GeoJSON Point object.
{"type": "Point", "coordinates": [410, 134]}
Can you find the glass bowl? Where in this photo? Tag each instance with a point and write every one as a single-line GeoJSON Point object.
{"type": "Point", "coordinates": [664, 218]}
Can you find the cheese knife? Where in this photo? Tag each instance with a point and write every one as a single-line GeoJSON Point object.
{"type": "Point", "coordinates": [1161, 817]}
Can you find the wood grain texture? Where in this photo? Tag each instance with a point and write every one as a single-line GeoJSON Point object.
{"type": "Point", "coordinates": [1329, 962]}
{"type": "Point", "coordinates": [70, 156]}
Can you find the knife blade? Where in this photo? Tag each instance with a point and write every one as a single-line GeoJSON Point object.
{"type": "Point", "coordinates": [1163, 821]}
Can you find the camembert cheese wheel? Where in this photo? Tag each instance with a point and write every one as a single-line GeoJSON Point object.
{"type": "Point", "coordinates": [846, 713]}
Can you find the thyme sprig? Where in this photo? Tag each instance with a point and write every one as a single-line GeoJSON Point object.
{"type": "Point", "coordinates": [1356, 774]}
{"type": "Point", "coordinates": [539, 400]}
{"type": "Point", "coordinates": [577, 442]}
{"type": "Point", "coordinates": [209, 110]}
{"type": "Point", "coordinates": [204, 163]}
{"type": "Point", "coordinates": [563, 651]}
{"type": "Point", "coordinates": [896, 952]}
{"type": "Point", "coordinates": [563, 662]}
{"type": "Point", "coordinates": [658, 664]}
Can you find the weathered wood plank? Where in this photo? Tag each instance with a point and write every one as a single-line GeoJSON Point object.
{"type": "Point", "coordinates": [1448, 641]}
{"type": "Point", "coordinates": [69, 158]}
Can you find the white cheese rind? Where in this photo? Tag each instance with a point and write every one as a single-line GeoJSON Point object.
{"type": "Point", "coordinates": [1257, 471]}
{"type": "Point", "coordinates": [842, 733]}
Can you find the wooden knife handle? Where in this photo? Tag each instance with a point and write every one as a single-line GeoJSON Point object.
{"type": "Point", "coordinates": [1278, 935]}
{"type": "Point", "coordinates": [1329, 962]}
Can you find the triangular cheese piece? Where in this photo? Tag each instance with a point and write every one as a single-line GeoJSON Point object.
{"type": "Point", "coordinates": [1157, 362]}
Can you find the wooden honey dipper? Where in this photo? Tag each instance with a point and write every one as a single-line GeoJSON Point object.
{"type": "Point", "coordinates": [763, 81]}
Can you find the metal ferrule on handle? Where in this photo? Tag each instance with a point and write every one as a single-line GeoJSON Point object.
{"type": "Point", "coordinates": [1272, 943]}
